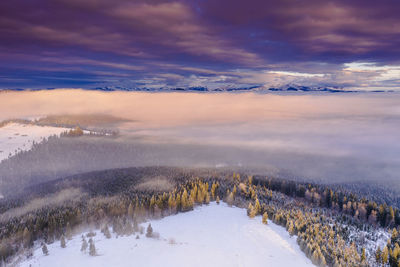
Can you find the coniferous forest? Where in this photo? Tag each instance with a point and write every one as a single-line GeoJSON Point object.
{"type": "Point", "coordinates": [333, 228]}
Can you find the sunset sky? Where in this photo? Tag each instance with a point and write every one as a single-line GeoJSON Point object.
{"type": "Point", "coordinates": [216, 44]}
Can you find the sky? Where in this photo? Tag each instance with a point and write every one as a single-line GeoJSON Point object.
{"type": "Point", "coordinates": [215, 44]}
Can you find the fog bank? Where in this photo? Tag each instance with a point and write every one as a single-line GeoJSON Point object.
{"type": "Point", "coordinates": [347, 136]}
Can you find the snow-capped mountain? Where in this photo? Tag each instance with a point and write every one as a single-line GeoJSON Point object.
{"type": "Point", "coordinates": [229, 88]}
{"type": "Point", "coordinates": [255, 88]}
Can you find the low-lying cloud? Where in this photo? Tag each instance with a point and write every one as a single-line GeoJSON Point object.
{"type": "Point", "coordinates": [332, 137]}
{"type": "Point", "coordinates": [54, 200]}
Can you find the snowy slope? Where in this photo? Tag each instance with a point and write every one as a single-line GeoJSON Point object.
{"type": "Point", "coordinates": [17, 136]}
{"type": "Point", "coordinates": [213, 235]}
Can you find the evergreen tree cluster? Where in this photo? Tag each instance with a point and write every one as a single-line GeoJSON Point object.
{"type": "Point", "coordinates": [347, 203]}
{"type": "Point", "coordinates": [313, 213]}
{"type": "Point", "coordinates": [311, 226]}
{"type": "Point", "coordinates": [389, 255]}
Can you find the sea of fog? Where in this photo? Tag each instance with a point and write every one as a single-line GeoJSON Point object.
{"type": "Point", "coordinates": [327, 136]}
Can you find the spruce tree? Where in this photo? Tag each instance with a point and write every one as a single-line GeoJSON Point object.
{"type": "Point", "coordinates": [106, 232]}
{"type": "Point", "coordinates": [385, 255]}
{"type": "Point", "coordinates": [128, 229]}
{"type": "Point", "coordinates": [135, 225]}
{"type": "Point", "coordinates": [84, 245]}
{"type": "Point", "coordinates": [171, 203]}
{"type": "Point", "coordinates": [130, 211]}
{"type": "Point", "coordinates": [92, 248]}
{"type": "Point", "coordinates": [149, 232]}
{"type": "Point", "coordinates": [265, 218]}
{"type": "Point", "coordinates": [213, 189]}
{"type": "Point", "coordinates": [68, 232]}
{"type": "Point", "coordinates": [27, 238]}
{"type": "Point", "coordinates": [363, 257]}
{"type": "Point", "coordinates": [207, 198]}
{"type": "Point", "coordinates": [394, 236]}
{"type": "Point", "coordinates": [45, 250]}
{"type": "Point", "coordinates": [184, 200]}
{"type": "Point", "coordinates": [257, 207]}
{"type": "Point", "coordinates": [251, 211]}
{"type": "Point", "coordinates": [62, 242]}
{"type": "Point", "coordinates": [378, 256]}
{"type": "Point", "coordinates": [290, 227]}
{"type": "Point", "coordinates": [230, 199]}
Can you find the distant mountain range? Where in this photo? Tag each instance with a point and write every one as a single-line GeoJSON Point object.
{"type": "Point", "coordinates": [256, 88]}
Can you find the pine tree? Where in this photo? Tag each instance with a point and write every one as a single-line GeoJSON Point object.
{"type": "Point", "coordinates": [149, 232]}
{"type": "Point", "coordinates": [250, 180]}
{"type": "Point", "coordinates": [172, 203]}
{"type": "Point", "coordinates": [62, 242]}
{"type": "Point", "coordinates": [378, 256]}
{"type": "Point", "coordinates": [230, 199]}
{"type": "Point", "coordinates": [27, 238]}
{"type": "Point", "coordinates": [290, 227]}
{"type": "Point", "coordinates": [68, 231]}
{"type": "Point", "coordinates": [106, 232]}
{"type": "Point", "coordinates": [213, 190]}
{"type": "Point", "coordinates": [394, 236]}
{"type": "Point", "coordinates": [391, 215]}
{"type": "Point", "coordinates": [84, 245]}
{"type": "Point", "coordinates": [92, 248]}
{"type": "Point", "coordinates": [135, 225]}
{"type": "Point", "coordinates": [336, 263]}
{"type": "Point", "coordinates": [128, 230]}
{"type": "Point", "coordinates": [315, 257]}
{"type": "Point", "coordinates": [186, 201]}
{"type": "Point", "coordinates": [257, 207]}
{"type": "Point", "coordinates": [363, 257]}
{"type": "Point", "coordinates": [207, 198]}
{"type": "Point", "coordinates": [252, 193]}
{"type": "Point", "coordinates": [178, 202]}
{"type": "Point", "coordinates": [385, 255]}
{"type": "Point", "coordinates": [396, 251]}
{"type": "Point", "coordinates": [199, 195]}
{"type": "Point", "coordinates": [45, 250]}
{"type": "Point", "coordinates": [251, 212]}
{"type": "Point", "coordinates": [265, 218]}
{"type": "Point", "coordinates": [130, 211]}
{"type": "Point", "coordinates": [152, 203]}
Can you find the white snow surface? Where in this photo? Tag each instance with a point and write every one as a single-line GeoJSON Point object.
{"type": "Point", "coordinates": [211, 235]}
{"type": "Point", "coordinates": [20, 137]}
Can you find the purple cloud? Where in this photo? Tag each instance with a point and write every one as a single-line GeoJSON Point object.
{"type": "Point", "coordinates": [183, 43]}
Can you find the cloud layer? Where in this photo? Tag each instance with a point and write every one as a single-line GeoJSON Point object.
{"type": "Point", "coordinates": [88, 43]}
{"type": "Point", "coordinates": [333, 137]}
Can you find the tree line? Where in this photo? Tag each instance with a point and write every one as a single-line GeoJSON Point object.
{"type": "Point", "coordinates": [311, 212]}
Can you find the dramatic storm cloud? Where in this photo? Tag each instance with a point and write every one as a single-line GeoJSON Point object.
{"type": "Point", "coordinates": [89, 43]}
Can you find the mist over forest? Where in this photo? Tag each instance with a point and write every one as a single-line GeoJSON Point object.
{"type": "Point", "coordinates": [331, 138]}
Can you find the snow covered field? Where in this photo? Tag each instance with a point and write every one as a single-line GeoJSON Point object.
{"type": "Point", "coordinates": [16, 136]}
{"type": "Point", "coordinates": [213, 235]}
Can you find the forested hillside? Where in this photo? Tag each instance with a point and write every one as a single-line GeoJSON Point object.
{"type": "Point", "coordinates": [333, 228]}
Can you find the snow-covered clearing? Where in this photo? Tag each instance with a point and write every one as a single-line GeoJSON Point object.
{"type": "Point", "coordinates": [212, 235]}
{"type": "Point", "coordinates": [16, 137]}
